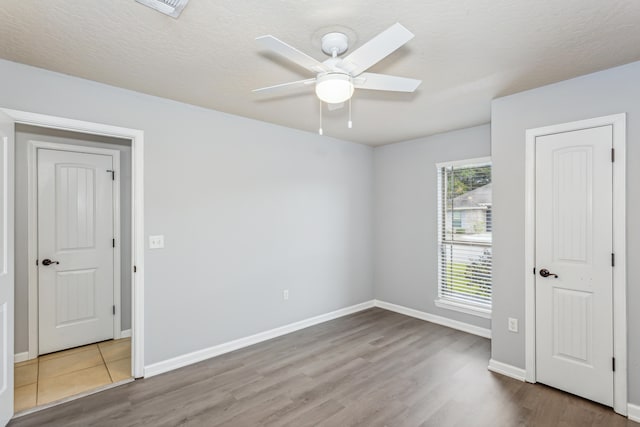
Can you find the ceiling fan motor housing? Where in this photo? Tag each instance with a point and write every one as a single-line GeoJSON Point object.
{"type": "Point", "coordinates": [337, 43]}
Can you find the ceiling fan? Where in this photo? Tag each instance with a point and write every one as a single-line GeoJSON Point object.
{"type": "Point", "coordinates": [336, 78]}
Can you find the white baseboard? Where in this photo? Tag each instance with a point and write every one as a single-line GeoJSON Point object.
{"type": "Point", "coordinates": [21, 357]}
{"type": "Point", "coordinates": [633, 412]}
{"type": "Point", "coordinates": [207, 353]}
{"type": "Point", "coordinates": [454, 324]}
{"type": "Point", "coordinates": [508, 370]}
{"type": "Point", "coordinates": [126, 333]}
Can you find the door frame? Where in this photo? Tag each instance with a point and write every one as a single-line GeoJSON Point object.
{"type": "Point", "coordinates": [618, 123]}
{"type": "Point", "coordinates": [32, 245]}
{"type": "Point", "coordinates": [137, 241]}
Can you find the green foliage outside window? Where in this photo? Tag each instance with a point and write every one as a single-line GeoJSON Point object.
{"type": "Point", "coordinates": [466, 179]}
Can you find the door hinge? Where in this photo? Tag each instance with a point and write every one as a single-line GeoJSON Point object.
{"type": "Point", "coordinates": [613, 154]}
{"type": "Point", "coordinates": [613, 260]}
{"type": "Point", "coordinates": [135, 269]}
{"type": "Point", "coordinates": [114, 310]}
{"type": "Point", "coordinates": [113, 174]}
{"type": "Point", "coordinates": [113, 243]}
{"type": "Point", "coordinates": [613, 364]}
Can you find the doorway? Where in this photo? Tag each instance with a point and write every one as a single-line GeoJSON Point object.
{"type": "Point", "coordinates": [131, 340]}
{"type": "Point", "coordinates": [575, 283]}
{"type": "Point", "coordinates": [77, 239]}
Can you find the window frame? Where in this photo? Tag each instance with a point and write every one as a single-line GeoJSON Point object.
{"type": "Point", "coordinates": [480, 310]}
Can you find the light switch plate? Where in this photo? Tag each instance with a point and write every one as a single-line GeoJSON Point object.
{"type": "Point", "coordinates": [513, 324]}
{"type": "Point", "coordinates": [156, 242]}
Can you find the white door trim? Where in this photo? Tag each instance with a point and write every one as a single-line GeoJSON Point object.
{"type": "Point", "coordinates": [137, 164]}
{"type": "Point", "coordinates": [32, 244]}
{"type": "Point", "coordinates": [618, 122]}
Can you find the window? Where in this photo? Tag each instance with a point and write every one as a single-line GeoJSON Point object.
{"type": "Point", "coordinates": [457, 219]}
{"type": "Point", "coordinates": [464, 236]}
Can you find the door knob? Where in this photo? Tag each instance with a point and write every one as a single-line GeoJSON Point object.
{"type": "Point", "coordinates": [545, 273]}
{"type": "Point", "coordinates": [47, 261]}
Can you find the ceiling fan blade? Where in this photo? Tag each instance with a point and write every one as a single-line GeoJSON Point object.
{"type": "Point", "coordinates": [291, 53]}
{"type": "Point", "coordinates": [333, 107]}
{"type": "Point", "coordinates": [375, 81]}
{"type": "Point", "coordinates": [376, 49]}
{"type": "Point", "coordinates": [283, 86]}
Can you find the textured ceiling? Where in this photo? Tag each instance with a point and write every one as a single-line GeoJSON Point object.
{"type": "Point", "coordinates": [467, 52]}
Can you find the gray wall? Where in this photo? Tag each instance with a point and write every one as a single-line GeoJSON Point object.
{"type": "Point", "coordinates": [608, 92]}
{"type": "Point", "coordinates": [24, 134]}
{"type": "Point", "coordinates": [406, 238]}
{"type": "Point", "coordinates": [247, 209]}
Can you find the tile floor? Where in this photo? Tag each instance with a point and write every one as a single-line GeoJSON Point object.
{"type": "Point", "coordinates": [59, 375]}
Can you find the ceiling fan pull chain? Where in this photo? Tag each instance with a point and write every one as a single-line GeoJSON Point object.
{"type": "Point", "coordinates": [320, 129]}
{"type": "Point", "coordinates": [349, 123]}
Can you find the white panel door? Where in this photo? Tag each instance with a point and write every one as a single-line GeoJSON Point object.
{"type": "Point", "coordinates": [6, 268]}
{"type": "Point", "coordinates": [574, 297]}
{"type": "Point", "coordinates": [75, 249]}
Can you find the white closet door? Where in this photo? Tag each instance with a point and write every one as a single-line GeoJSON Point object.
{"type": "Point", "coordinates": [574, 297]}
{"type": "Point", "coordinates": [75, 249]}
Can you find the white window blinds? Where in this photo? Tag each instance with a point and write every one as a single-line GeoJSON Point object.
{"type": "Point", "coordinates": [464, 230]}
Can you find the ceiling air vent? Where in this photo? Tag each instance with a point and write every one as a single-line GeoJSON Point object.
{"type": "Point", "coordinates": [172, 8]}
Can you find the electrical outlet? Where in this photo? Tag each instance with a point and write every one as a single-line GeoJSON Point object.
{"type": "Point", "coordinates": [513, 324]}
{"type": "Point", "coordinates": [285, 294]}
{"type": "Point", "coordinates": [156, 242]}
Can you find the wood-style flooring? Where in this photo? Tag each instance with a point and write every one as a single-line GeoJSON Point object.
{"type": "Point", "coordinates": [373, 368]}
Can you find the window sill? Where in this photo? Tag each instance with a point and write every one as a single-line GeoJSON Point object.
{"type": "Point", "coordinates": [474, 310]}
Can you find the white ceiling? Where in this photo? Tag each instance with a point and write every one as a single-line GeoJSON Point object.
{"type": "Point", "coordinates": [467, 52]}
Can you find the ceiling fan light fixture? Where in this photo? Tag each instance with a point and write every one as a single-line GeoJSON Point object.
{"type": "Point", "coordinates": [334, 88]}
